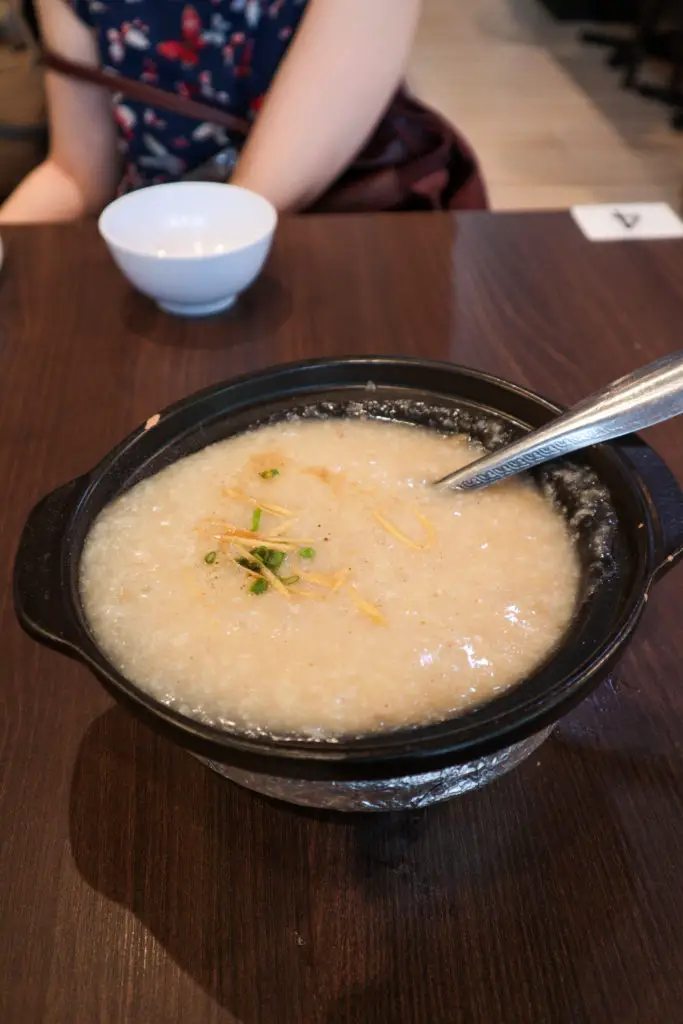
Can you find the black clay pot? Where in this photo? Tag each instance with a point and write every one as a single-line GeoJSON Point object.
{"type": "Point", "coordinates": [636, 519]}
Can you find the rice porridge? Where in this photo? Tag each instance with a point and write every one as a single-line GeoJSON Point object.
{"type": "Point", "coordinates": [302, 579]}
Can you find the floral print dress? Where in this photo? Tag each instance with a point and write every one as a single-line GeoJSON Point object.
{"type": "Point", "coordinates": [221, 52]}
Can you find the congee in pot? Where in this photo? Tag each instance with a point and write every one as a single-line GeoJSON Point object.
{"type": "Point", "coordinates": [303, 579]}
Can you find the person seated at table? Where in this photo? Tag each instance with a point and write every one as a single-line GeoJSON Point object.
{"type": "Point", "coordinates": [313, 77]}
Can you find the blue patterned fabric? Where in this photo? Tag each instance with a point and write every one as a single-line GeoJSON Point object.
{"type": "Point", "coordinates": [221, 52]}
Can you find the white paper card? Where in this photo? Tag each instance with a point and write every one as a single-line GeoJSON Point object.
{"type": "Point", "coordinates": [619, 222]}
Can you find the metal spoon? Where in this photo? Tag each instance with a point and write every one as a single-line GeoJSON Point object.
{"type": "Point", "coordinates": [643, 398]}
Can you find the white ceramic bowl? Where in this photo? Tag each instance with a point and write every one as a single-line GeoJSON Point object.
{"type": "Point", "coordinates": [190, 246]}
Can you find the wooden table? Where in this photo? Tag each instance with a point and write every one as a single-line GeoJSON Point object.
{"type": "Point", "coordinates": [138, 887]}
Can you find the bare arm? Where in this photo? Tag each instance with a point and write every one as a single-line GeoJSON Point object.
{"type": "Point", "coordinates": [342, 69]}
{"type": "Point", "coordinates": [80, 173]}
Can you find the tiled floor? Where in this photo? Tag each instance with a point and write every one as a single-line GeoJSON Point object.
{"type": "Point", "coordinates": [547, 117]}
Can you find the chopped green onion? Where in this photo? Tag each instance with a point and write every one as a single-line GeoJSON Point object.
{"type": "Point", "coordinates": [210, 557]}
{"type": "Point", "coordinates": [256, 519]}
{"type": "Point", "coordinates": [289, 581]}
{"type": "Point", "coordinates": [251, 566]}
{"type": "Point", "coordinates": [258, 587]}
{"type": "Point", "coordinates": [272, 559]}
{"type": "Point", "coordinates": [307, 553]}
{"type": "Point", "coordinates": [275, 559]}
{"type": "Point", "coordinates": [268, 474]}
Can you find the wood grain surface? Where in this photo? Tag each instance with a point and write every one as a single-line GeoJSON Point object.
{"type": "Point", "coordinates": [138, 888]}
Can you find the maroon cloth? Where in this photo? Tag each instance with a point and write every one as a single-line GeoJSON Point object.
{"type": "Point", "coordinates": [415, 160]}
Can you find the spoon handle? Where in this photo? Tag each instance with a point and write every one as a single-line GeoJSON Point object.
{"type": "Point", "coordinates": [648, 396]}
